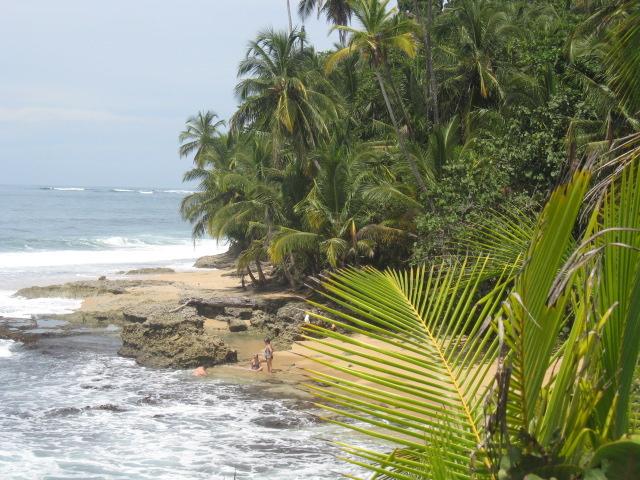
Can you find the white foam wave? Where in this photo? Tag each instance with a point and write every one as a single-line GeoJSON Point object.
{"type": "Point", "coordinates": [5, 348]}
{"type": "Point", "coordinates": [68, 189]}
{"type": "Point", "coordinates": [122, 242]}
{"type": "Point", "coordinates": [18, 307]}
{"type": "Point", "coordinates": [121, 190]}
{"type": "Point", "coordinates": [180, 192]}
{"type": "Point", "coordinates": [145, 192]}
{"type": "Point", "coordinates": [116, 251]}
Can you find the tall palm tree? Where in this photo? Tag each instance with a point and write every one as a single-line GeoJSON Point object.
{"type": "Point", "coordinates": [481, 26]}
{"type": "Point", "coordinates": [382, 31]}
{"type": "Point", "coordinates": [199, 135]}
{"type": "Point", "coordinates": [337, 12]}
{"type": "Point", "coordinates": [282, 95]}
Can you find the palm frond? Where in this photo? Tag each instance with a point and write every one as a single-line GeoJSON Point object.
{"type": "Point", "coordinates": [423, 351]}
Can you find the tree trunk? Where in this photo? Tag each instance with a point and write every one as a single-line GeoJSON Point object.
{"type": "Point", "coordinates": [401, 140]}
{"type": "Point", "coordinates": [287, 273]}
{"type": "Point", "coordinates": [253, 279]}
{"type": "Point", "coordinates": [290, 20]}
{"type": "Point", "coordinates": [426, 84]}
{"type": "Point", "coordinates": [433, 86]}
{"type": "Point", "coordinates": [396, 93]}
{"type": "Point", "coordinates": [261, 276]}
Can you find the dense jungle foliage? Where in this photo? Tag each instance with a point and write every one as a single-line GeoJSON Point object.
{"type": "Point", "coordinates": [423, 118]}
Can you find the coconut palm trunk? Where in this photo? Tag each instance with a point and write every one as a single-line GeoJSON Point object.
{"type": "Point", "coordinates": [252, 276]}
{"type": "Point", "coordinates": [401, 140]}
{"type": "Point", "coordinates": [398, 97]}
{"type": "Point", "coordinates": [431, 90]}
{"type": "Point", "coordinates": [433, 86]}
{"type": "Point", "coordinates": [289, 13]}
{"type": "Point", "coordinates": [261, 278]}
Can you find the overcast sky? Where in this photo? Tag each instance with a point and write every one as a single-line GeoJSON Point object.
{"type": "Point", "coordinates": [94, 93]}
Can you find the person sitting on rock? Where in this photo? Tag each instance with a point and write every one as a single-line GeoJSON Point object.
{"type": "Point", "coordinates": [255, 364]}
{"type": "Point", "coordinates": [268, 353]}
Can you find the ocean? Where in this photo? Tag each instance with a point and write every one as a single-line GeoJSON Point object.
{"type": "Point", "coordinates": [71, 408]}
{"type": "Point", "coordinates": [51, 234]}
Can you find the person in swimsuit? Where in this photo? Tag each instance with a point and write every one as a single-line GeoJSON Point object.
{"type": "Point", "coordinates": [255, 364]}
{"type": "Point", "coordinates": [268, 353]}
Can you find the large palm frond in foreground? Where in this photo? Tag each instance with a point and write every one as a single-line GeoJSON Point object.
{"type": "Point", "coordinates": [423, 368]}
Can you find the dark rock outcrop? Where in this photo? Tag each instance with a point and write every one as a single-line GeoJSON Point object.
{"type": "Point", "coordinates": [237, 325]}
{"type": "Point", "coordinates": [170, 341]}
{"type": "Point", "coordinates": [237, 306]}
{"type": "Point", "coordinates": [17, 336]}
{"type": "Point", "coordinates": [221, 261]}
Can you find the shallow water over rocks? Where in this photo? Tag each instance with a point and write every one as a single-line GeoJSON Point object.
{"type": "Point", "coordinates": [71, 408]}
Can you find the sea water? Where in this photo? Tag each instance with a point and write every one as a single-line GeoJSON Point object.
{"type": "Point", "coordinates": [71, 408]}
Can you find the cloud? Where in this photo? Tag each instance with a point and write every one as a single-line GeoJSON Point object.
{"type": "Point", "coordinates": [61, 114]}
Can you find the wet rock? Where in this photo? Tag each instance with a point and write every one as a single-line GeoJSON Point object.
{"type": "Point", "coordinates": [109, 407]}
{"type": "Point", "coordinates": [17, 336]}
{"type": "Point", "coordinates": [237, 325]}
{"type": "Point", "coordinates": [171, 341]}
{"type": "Point", "coordinates": [241, 313]}
{"type": "Point", "coordinates": [93, 319]}
{"type": "Point", "coordinates": [64, 411]}
{"type": "Point", "coordinates": [290, 421]}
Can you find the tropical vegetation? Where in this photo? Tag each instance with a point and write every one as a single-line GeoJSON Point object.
{"type": "Point", "coordinates": [463, 178]}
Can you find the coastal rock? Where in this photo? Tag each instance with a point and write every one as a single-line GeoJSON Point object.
{"type": "Point", "coordinates": [149, 271]}
{"type": "Point", "coordinates": [84, 289]}
{"type": "Point", "coordinates": [260, 319]}
{"type": "Point", "coordinates": [239, 306]}
{"type": "Point", "coordinates": [237, 325]}
{"type": "Point", "coordinates": [93, 319]}
{"type": "Point", "coordinates": [168, 341]}
{"type": "Point", "coordinates": [221, 261]}
{"type": "Point", "coordinates": [287, 323]}
{"type": "Point", "coordinates": [17, 336]}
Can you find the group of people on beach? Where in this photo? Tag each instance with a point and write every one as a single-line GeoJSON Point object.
{"type": "Point", "coordinates": [255, 364]}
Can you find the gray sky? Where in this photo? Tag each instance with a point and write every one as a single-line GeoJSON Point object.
{"type": "Point", "coordinates": [94, 93]}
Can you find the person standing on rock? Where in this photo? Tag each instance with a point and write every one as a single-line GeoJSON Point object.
{"type": "Point", "coordinates": [268, 353]}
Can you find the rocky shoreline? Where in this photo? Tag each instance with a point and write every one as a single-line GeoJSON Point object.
{"type": "Point", "coordinates": [179, 320]}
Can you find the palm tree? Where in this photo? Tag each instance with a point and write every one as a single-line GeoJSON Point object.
{"type": "Point", "coordinates": [382, 32]}
{"type": "Point", "coordinates": [199, 135]}
{"type": "Point", "coordinates": [342, 211]}
{"type": "Point", "coordinates": [331, 212]}
{"type": "Point", "coordinates": [481, 26]}
{"type": "Point", "coordinates": [282, 95]}
{"type": "Point", "coordinates": [337, 12]}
